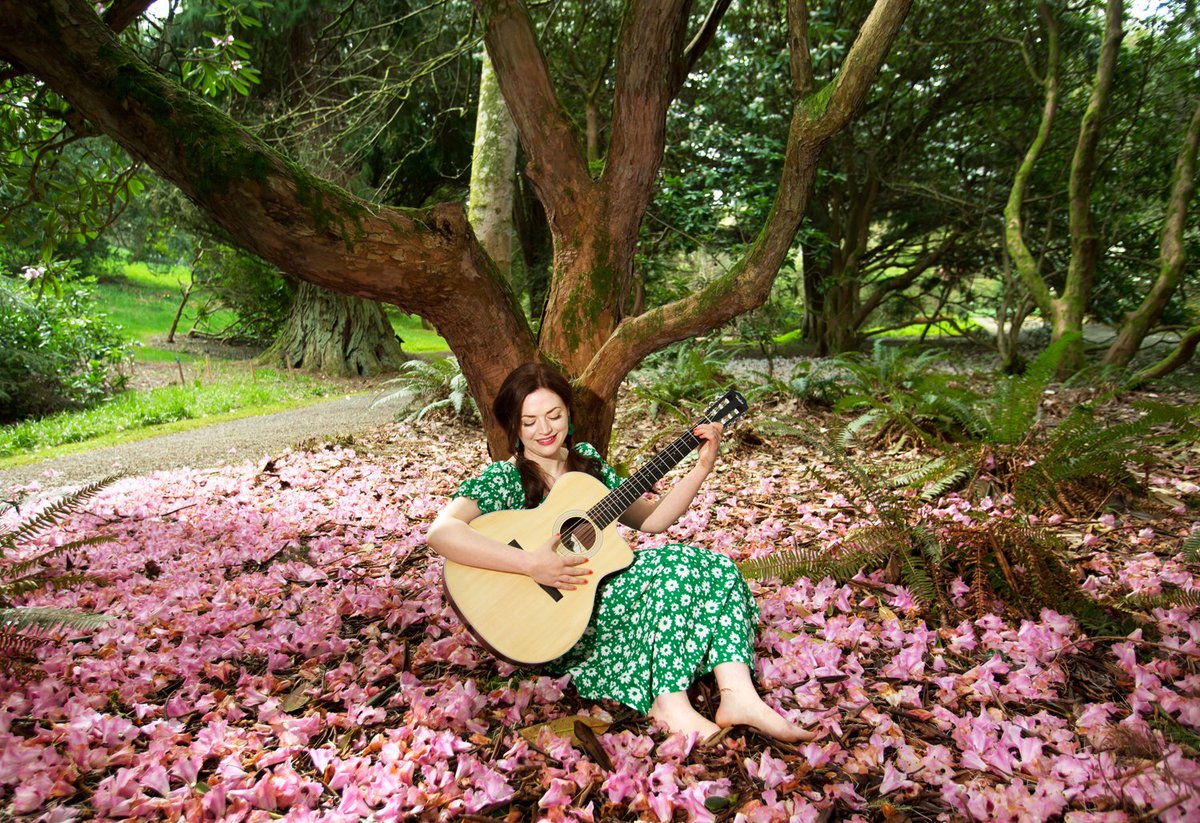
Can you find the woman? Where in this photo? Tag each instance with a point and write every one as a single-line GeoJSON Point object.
{"type": "Point", "coordinates": [676, 613]}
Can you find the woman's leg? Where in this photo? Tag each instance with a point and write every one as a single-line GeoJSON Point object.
{"type": "Point", "coordinates": [742, 705]}
{"type": "Point", "coordinates": [675, 711]}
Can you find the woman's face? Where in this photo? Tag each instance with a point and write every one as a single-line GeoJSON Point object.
{"type": "Point", "coordinates": [543, 424]}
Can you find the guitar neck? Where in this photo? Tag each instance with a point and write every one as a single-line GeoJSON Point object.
{"type": "Point", "coordinates": [642, 480]}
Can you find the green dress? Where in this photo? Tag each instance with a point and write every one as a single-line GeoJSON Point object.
{"type": "Point", "coordinates": [673, 615]}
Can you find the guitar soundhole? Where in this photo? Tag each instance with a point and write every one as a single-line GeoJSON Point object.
{"type": "Point", "coordinates": [578, 535]}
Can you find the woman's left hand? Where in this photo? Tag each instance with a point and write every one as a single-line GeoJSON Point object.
{"type": "Point", "coordinates": [710, 442]}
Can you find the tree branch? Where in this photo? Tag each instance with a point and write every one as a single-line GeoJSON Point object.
{"type": "Point", "coordinates": [902, 281]}
{"type": "Point", "coordinates": [804, 82]}
{"type": "Point", "coordinates": [424, 261]}
{"type": "Point", "coordinates": [556, 167]}
{"type": "Point", "coordinates": [748, 283]}
{"type": "Point", "coordinates": [121, 14]}
{"type": "Point", "coordinates": [650, 46]}
{"type": "Point", "coordinates": [1014, 233]}
{"type": "Point", "coordinates": [700, 42]}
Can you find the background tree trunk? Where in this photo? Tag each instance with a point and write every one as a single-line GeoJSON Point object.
{"type": "Point", "coordinates": [1065, 311]}
{"type": "Point", "coordinates": [1085, 242]}
{"type": "Point", "coordinates": [1179, 355]}
{"type": "Point", "coordinates": [336, 334]}
{"type": "Point", "coordinates": [1171, 257]}
{"type": "Point", "coordinates": [493, 166]}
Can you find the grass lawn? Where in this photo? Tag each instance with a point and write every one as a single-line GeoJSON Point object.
{"type": "Point", "coordinates": [143, 301]}
{"type": "Point", "coordinates": [157, 411]}
{"type": "Point", "coordinates": [417, 339]}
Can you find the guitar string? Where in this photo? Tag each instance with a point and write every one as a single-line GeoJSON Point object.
{"type": "Point", "coordinates": [619, 499]}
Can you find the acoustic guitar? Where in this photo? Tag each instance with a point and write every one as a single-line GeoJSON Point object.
{"type": "Point", "coordinates": [525, 622]}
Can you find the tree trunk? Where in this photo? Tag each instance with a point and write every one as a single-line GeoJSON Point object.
{"type": "Point", "coordinates": [1180, 355]}
{"type": "Point", "coordinates": [1023, 260]}
{"type": "Point", "coordinates": [1172, 254]}
{"type": "Point", "coordinates": [1065, 312]}
{"type": "Point", "coordinates": [493, 166]}
{"type": "Point", "coordinates": [1085, 243]}
{"type": "Point", "coordinates": [336, 334]}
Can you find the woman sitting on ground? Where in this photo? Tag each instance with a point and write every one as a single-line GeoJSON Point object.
{"type": "Point", "coordinates": [676, 613]}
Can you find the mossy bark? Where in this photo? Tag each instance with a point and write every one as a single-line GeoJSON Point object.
{"type": "Point", "coordinates": [493, 166]}
{"type": "Point", "coordinates": [337, 334]}
{"type": "Point", "coordinates": [427, 261]}
{"type": "Point", "coordinates": [1172, 253]}
{"type": "Point", "coordinates": [595, 223]}
{"type": "Point", "coordinates": [1065, 310]}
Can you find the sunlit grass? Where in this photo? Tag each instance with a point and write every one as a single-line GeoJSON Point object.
{"type": "Point", "coordinates": [143, 300]}
{"type": "Point", "coordinates": [132, 411]}
{"type": "Point", "coordinates": [415, 337]}
{"type": "Point", "coordinates": [940, 329]}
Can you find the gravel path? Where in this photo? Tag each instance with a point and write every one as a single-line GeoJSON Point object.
{"type": "Point", "coordinates": [234, 441]}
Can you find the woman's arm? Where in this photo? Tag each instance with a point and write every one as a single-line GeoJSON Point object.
{"type": "Point", "coordinates": [452, 538]}
{"type": "Point", "coordinates": [658, 516]}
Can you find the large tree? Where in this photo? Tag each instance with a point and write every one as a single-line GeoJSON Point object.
{"type": "Point", "coordinates": [428, 261]}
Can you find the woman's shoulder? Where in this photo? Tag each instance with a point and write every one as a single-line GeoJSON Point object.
{"type": "Point", "coordinates": [494, 488]}
{"type": "Point", "coordinates": [587, 450]}
{"type": "Point", "coordinates": [499, 468]}
{"type": "Point", "coordinates": [499, 471]}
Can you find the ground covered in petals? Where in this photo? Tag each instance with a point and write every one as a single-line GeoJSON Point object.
{"type": "Point", "coordinates": [280, 646]}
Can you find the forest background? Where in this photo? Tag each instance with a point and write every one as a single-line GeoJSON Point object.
{"type": "Point", "coordinates": [646, 194]}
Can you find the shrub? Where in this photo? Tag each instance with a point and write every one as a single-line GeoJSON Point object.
{"type": "Point", "coordinates": [682, 377]}
{"type": "Point", "coordinates": [56, 351]}
{"type": "Point", "coordinates": [242, 283]}
{"type": "Point", "coordinates": [431, 385]}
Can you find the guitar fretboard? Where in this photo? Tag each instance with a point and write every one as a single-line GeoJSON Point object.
{"type": "Point", "coordinates": [642, 480]}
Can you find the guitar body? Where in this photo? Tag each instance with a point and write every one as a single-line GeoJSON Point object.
{"type": "Point", "coordinates": [513, 615]}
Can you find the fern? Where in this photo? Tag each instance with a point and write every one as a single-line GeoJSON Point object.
{"type": "Point", "coordinates": [427, 386]}
{"type": "Point", "coordinates": [52, 515]}
{"type": "Point", "coordinates": [1079, 451]}
{"type": "Point", "coordinates": [1186, 598]}
{"type": "Point", "coordinates": [934, 476]}
{"type": "Point", "coordinates": [997, 556]}
{"type": "Point", "coordinates": [914, 572]}
{"type": "Point", "coordinates": [681, 377]}
{"type": "Point", "coordinates": [1015, 404]}
{"type": "Point", "coordinates": [47, 618]}
{"type": "Point", "coordinates": [25, 628]}
{"type": "Point", "coordinates": [814, 564]}
{"type": "Point", "coordinates": [1191, 548]}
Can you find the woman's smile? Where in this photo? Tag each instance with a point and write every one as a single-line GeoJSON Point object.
{"type": "Point", "coordinates": [544, 424]}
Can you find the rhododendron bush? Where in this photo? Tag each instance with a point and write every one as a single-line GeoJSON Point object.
{"type": "Point", "coordinates": [280, 646]}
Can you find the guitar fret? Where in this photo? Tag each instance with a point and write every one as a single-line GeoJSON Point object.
{"type": "Point", "coordinates": [617, 501]}
{"type": "Point", "coordinates": [641, 481]}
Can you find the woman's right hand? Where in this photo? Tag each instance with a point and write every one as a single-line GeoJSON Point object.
{"type": "Point", "coordinates": [548, 567]}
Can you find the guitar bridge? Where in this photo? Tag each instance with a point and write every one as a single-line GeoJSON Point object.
{"type": "Point", "coordinates": [554, 593]}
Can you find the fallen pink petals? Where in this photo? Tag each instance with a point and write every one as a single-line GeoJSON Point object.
{"type": "Point", "coordinates": [279, 646]}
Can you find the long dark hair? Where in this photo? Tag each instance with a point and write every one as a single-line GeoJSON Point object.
{"type": "Point", "coordinates": [520, 383]}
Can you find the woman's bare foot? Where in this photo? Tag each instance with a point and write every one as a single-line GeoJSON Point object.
{"type": "Point", "coordinates": [741, 705]}
{"type": "Point", "coordinates": [676, 713]}
{"type": "Point", "coordinates": [742, 709]}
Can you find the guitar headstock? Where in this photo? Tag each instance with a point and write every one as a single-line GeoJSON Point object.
{"type": "Point", "coordinates": [726, 409]}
